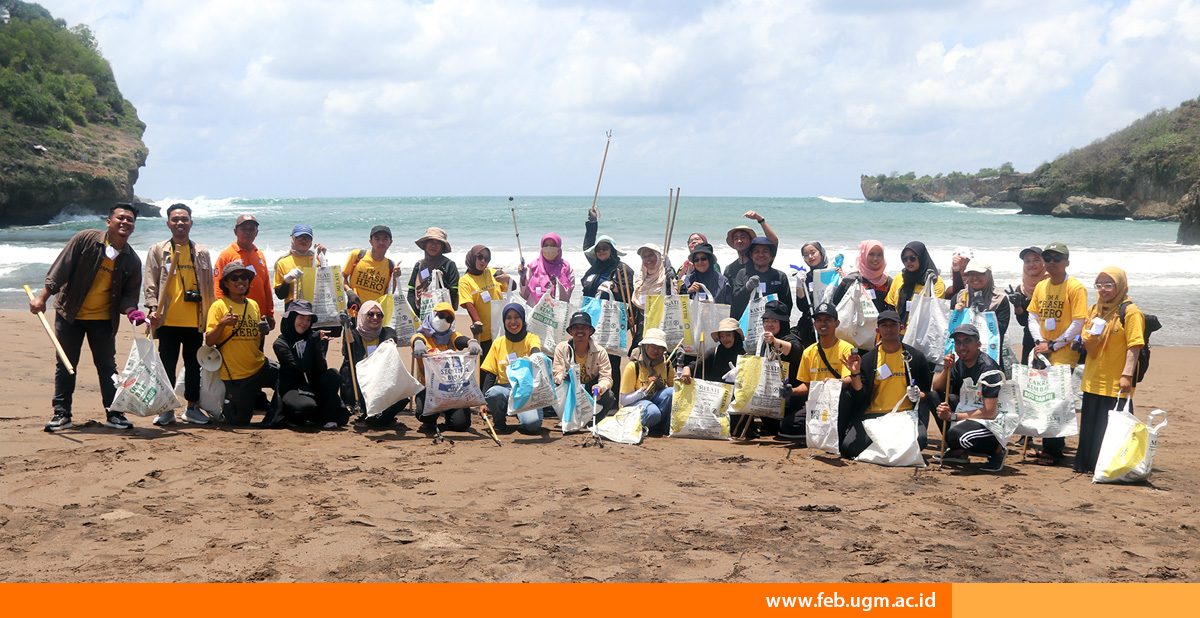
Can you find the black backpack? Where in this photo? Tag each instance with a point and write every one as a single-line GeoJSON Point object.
{"type": "Point", "coordinates": [1152, 324]}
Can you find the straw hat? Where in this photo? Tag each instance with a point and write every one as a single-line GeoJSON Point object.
{"type": "Point", "coordinates": [745, 228]}
{"type": "Point", "coordinates": [727, 325]}
{"type": "Point", "coordinates": [434, 233]}
{"type": "Point", "coordinates": [655, 336]}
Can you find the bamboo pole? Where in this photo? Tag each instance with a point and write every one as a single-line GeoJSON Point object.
{"type": "Point", "coordinates": [671, 221]}
{"type": "Point", "coordinates": [62, 354]}
{"type": "Point", "coordinates": [602, 162]}
{"type": "Point", "coordinates": [667, 229]}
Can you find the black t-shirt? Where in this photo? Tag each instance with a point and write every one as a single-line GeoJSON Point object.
{"type": "Point", "coordinates": [984, 365]}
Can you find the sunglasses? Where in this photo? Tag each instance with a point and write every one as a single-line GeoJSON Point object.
{"type": "Point", "coordinates": [375, 314]}
{"type": "Point", "coordinates": [1106, 286]}
{"type": "Point", "coordinates": [910, 258]}
{"type": "Point", "coordinates": [1056, 258]}
{"type": "Point", "coordinates": [700, 258]}
{"type": "Point", "coordinates": [237, 277]}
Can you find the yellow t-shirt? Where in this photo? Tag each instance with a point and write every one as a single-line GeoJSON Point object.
{"type": "Point", "coordinates": [635, 376]}
{"type": "Point", "coordinates": [1102, 371]}
{"type": "Point", "coordinates": [893, 295]}
{"type": "Point", "coordinates": [1057, 306]}
{"type": "Point", "coordinates": [99, 297]}
{"type": "Point", "coordinates": [584, 376]}
{"type": "Point", "coordinates": [241, 353]}
{"type": "Point", "coordinates": [891, 389]}
{"type": "Point", "coordinates": [284, 266]}
{"type": "Point", "coordinates": [369, 278]}
{"type": "Point", "coordinates": [179, 311]}
{"type": "Point", "coordinates": [813, 369]}
{"type": "Point", "coordinates": [482, 290]}
{"type": "Point", "coordinates": [503, 349]}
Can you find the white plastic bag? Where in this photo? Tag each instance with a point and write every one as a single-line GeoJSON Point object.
{"type": "Point", "coordinates": [143, 388]}
{"type": "Point", "coordinates": [706, 318]}
{"type": "Point", "coordinates": [893, 440]}
{"type": "Point", "coordinates": [548, 320]}
{"type": "Point", "coordinates": [433, 295]}
{"type": "Point", "coordinates": [928, 324]}
{"type": "Point", "coordinates": [401, 317]}
{"type": "Point", "coordinates": [212, 390]}
{"type": "Point", "coordinates": [323, 288]}
{"type": "Point", "coordinates": [451, 382]}
{"type": "Point", "coordinates": [698, 410]}
{"type": "Point", "coordinates": [383, 379]}
{"type": "Point", "coordinates": [822, 415]}
{"type": "Point", "coordinates": [624, 426]}
{"type": "Point", "coordinates": [497, 308]}
{"type": "Point", "coordinates": [857, 317]}
{"type": "Point", "coordinates": [1127, 451]}
{"type": "Point", "coordinates": [1047, 405]}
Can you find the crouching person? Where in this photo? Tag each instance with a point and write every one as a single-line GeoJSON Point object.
{"type": "Point", "coordinates": [830, 358]}
{"type": "Point", "coordinates": [647, 382]}
{"type": "Point", "coordinates": [493, 380]}
{"type": "Point", "coordinates": [967, 435]}
{"type": "Point", "coordinates": [307, 389]}
{"type": "Point", "coordinates": [236, 328]}
{"type": "Point", "coordinates": [437, 334]}
{"type": "Point", "coordinates": [364, 338]}
{"type": "Point", "coordinates": [892, 372]}
{"type": "Point", "coordinates": [595, 372]}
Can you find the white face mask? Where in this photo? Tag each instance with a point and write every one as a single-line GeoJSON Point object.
{"type": "Point", "coordinates": [550, 252]}
{"type": "Point", "coordinates": [440, 325]}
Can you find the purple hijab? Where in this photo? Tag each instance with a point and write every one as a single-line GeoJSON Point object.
{"type": "Point", "coordinates": [541, 269]}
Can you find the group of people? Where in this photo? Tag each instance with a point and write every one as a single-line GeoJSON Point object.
{"type": "Point", "coordinates": [192, 300]}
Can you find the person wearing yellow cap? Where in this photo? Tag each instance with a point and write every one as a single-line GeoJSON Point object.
{"type": "Point", "coordinates": [437, 334]}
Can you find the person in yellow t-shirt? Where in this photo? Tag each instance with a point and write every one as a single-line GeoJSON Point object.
{"type": "Point", "coordinates": [478, 289]}
{"type": "Point", "coordinates": [1113, 340]}
{"type": "Point", "coordinates": [368, 275]}
{"type": "Point", "coordinates": [910, 283]}
{"type": "Point", "coordinates": [236, 329]}
{"type": "Point", "coordinates": [648, 383]}
{"type": "Point", "coordinates": [1056, 313]}
{"type": "Point", "coordinates": [290, 268]}
{"type": "Point", "coordinates": [517, 342]}
{"type": "Point", "coordinates": [829, 358]}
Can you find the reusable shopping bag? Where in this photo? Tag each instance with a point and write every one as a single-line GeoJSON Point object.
{"type": "Point", "coordinates": [698, 410]}
{"type": "Point", "coordinates": [497, 309]}
{"type": "Point", "coordinates": [143, 388]}
{"type": "Point", "coordinates": [451, 381]}
{"type": "Point", "coordinates": [893, 439]}
{"type": "Point", "coordinates": [532, 383]}
{"type": "Point", "coordinates": [575, 405]}
{"type": "Point", "coordinates": [759, 386]}
{"type": "Point", "coordinates": [1008, 407]}
{"type": "Point", "coordinates": [383, 379]}
{"type": "Point", "coordinates": [857, 317]}
{"type": "Point", "coordinates": [670, 312]}
{"type": "Point", "coordinates": [1047, 409]}
{"type": "Point", "coordinates": [822, 415]}
{"type": "Point", "coordinates": [751, 320]}
{"type": "Point", "coordinates": [611, 323]}
{"type": "Point", "coordinates": [431, 297]}
{"type": "Point", "coordinates": [323, 288]}
{"type": "Point", "coordinates": [400, 317]}
{"type": "Point", "coordinates": [1127, 451]}
{"type": "Point", "coordinates": [624, 426]}
{"type": "Point", "coordinates": [548, 320]}
{"type": "Point", "coordinates": [984, 322]}
{"type": "Point", "coordinates": [212, 390]}
{"type": "Point", "coordinates": [706, 317]}
{"type": "Point", "coordinates": [928, 324]}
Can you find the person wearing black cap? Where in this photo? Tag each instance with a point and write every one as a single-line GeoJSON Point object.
{"type": "Point", "coordinates": [368, 275]}
{"type": "Point", "coordinates": [759, 275]}
{"type": "Point", "coordinates": [704, 274]}
{"type": "Point", "coordinates": [236, 329]}
{"type": "Point", "coordinates": [595, 372]}
{"type": "Point", "coordinates": [829, 357]}
{"type": "Point", "coordinates": [245, 251]}
{"type": "Point", "coordinates": [1033, 271]}
{"type": "Point", "coordinates": [307, 388]}
{"type": "Point", "coordinates": [982, 377]}
{"type": "Point", "coordinates": [892, 372]}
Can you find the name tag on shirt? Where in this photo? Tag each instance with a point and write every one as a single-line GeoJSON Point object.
{"type": "Point", "coordinates": [110, 252]}
{"type": "Point", "coordinates": [512, 356]}
{"type": "Point", "coordinates": [701, 296]}
{"type": "Point", "coordinates": [485, 297]}
{"type": "Point", "coordinates": [885, 372]}
{"type": "Point", "coordinates": [642, 298]}
{"type": "Point", "coordinates": [810, 286]}
{"type": "Point", "coordinates": [908, 306]}
{"type": "Point", "coordinates": [250, 267]}
{"type": "Point", "coordinates": [371, 349]}
{"type": "Point", "coordinates": [871, 294]}
{"type": "Point", "coordinates": [424, 273]}
{"type": "Point", "coordinates": [537, 290]}
{"type": "Point", "coordinates": [762, 288]}
{"type": "Point", "coordinates": [1051, 323]}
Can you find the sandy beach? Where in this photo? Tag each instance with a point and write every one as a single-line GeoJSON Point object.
{"type": "Point", "coordinates": [214, 503]}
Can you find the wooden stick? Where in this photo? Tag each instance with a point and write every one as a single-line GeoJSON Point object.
{"type": "Point", "coordinates": [671, 225]}
{"type": "Point", "coordinates": [602, 161]}
{"type": "Point", "coordinates": [945, 424]}
{"type": "Point", "coordinates": [62, 354]}
{"type": "Point", "coordinates": [667, 229]}
{"type": "Point", "coordinates": [350, 355]}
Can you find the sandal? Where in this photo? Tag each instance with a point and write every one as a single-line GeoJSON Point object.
{"type": "Point", "coordinates": [1042, 458]}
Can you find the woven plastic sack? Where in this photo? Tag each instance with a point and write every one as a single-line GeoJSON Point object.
{"type": "Point", "coordinates": [323, 288]}
{"type": "Point", "coordinates": [751, 320]}
{"type": "Point", "coordinates": [1008, 406]}
{"type": "Point", "coordinates": [624, 426]}
{"type": "Point", "coordinates": [548, 320]}
{"type": "Point", "coordinates": [451, 382]}
{"type": "Point", "coordinates": [532, 383]}
{"type": "Point", "coordinates": [698, 410]}
{"type": "Point", "coordinates": [143, 388]}
{"type": "Point", "coordinates": [821, 412]}
{"type": "Point", "coordinates": [1127, 451]}
{"type": "Point", "coordinates": [984, 322]}
{"type": "Point", "coordinates": [1047, 402]}
{"type": "Point", "coordinates": [611, 323]}
{"type": "Point", "coordinates": [435, 294]}
{"type": "Point", "coordinates": [400, 317]}
{"type": "Point", "coordinates": [759, 387]}
{"type": "Point", "coordinates": [574, 404]}
{"type": "Point", "coordinates": [383, 379]}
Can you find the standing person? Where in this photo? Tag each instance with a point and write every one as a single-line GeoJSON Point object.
{"type": "Point", "coordinates": [695, 240]}
{"type": "Point", "coordinates": [289, 268]}
{"type": "Point", "coordinates": [703, 271]}
{"type": "Point", "coordinates": [760, 276]}
{"type": "Point", "coordinates": [918, 269]}
{"type": "Point", "coordinates": [966, 434]}
{"type": "Point", "coordinates": [595, 372]}
{"type": "Point", "coordinates": [435, 245]}
{"type": "Point", "coordinates": [740, 238]}
{"type": "Point", "coordinates": [518, 342]}
{"type": "Point", "coordinates": [1113, 342]}
{"type": "Point", "coordinates": [178, 292]}
{"type": "Point", "coordinates": [892, 372]}
{"type": "Point", "coordinates": [814, 257]}
{"type": "Point", "coordinates": [244, 250]}
{"type": "Point", "coordinates": [830, 357]}
{"type": "Point", "coordinates": [607, 274]}
{"type": "Point", "coordinates": [365, 337]}
{"type": "Point", "coordinates": [871, 271]}
{"type": "Point", "coordinates": [97, 278]}
{"type": "Point", "coordinates": [1033, 271]}
{"type": "Point", "coordinates": [368, 275]}
{"type": "Point", "coordinates": [549, 269]}
{"type": "Point", "coordinates": [236, 328]}
{"type": "Point", "coordinates": [647, 383]}
{"type": "Point", "coordinates": [652, 279]}
{"type": "Point", "coordinates": [1056, 313]}
{"type": "Point", "coordinates": [307, 388]}
{"type": "Point", "coordinates": [958, 264]}
{"type": "Point", "coordinates": [478, 289]}
{"type": "Point", "coordinates": [437, 334]}
{"type": "Point", "coordinates": [980, 294]}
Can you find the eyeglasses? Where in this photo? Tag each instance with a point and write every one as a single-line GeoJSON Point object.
{"type": "Point", "coordinates": [375, 314]}
{"type": "Point", "coordinates": [1055, 258]}
{"type": "Point", "coordinates": [700, 258]}
{"type": "Point", "coordinates": [238, 277]}
{"type": "Point", "coordinates": [910, 258]}
{"type": "Point", "coordinates": [1106, 286]}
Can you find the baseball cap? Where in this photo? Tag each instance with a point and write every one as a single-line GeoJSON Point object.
{"type": "Point", "coordinates": [244, 218]}
{"type": "Point", "coordinates": [298, 307]}
{"type": "Point", "coordinates": [380, 228]}
{"type": "Point", "coordinates": [1026, 251]}
{"type": "Point", "coordinates": [1057, 247]}
{"type": "Point", "coordinates": [301, 229]}
{"type": "Point", "coordinates": [978, 265]}
{"type": "Point", "coordinates": [580, 317]}
{"type": "Point", "coordinates": [966, 329]}
{"type": "Point", "coordinates": [828, 309]}
{"type": "Point", "coordinates": [888, 314]}
{"type": "Point", "coordinates": [777, 310]}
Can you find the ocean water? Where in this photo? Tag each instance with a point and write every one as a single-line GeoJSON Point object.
{"type": "Point", "coordinates": [1164, 277]}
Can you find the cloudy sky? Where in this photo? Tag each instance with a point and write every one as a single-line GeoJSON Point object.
{"type": "Point", "coordinates": [274, 98]}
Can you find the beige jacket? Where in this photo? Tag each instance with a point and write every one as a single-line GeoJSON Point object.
{"type": "Point", "coordinates": [158, 268]}
{"type": "Point", "coordinates": [595, 363]}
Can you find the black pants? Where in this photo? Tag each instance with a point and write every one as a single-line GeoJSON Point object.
{"type": "Point", "coordinates": [102, 341]}
{"type": "Point", "coordinates": [854, 438]}
{"type": "Point", "coordinates": [1093, 421]}
{"type": "Point", "coordinates": [971, 436]}
{"type": "Point", "coordinates": [170, 340]}
{"type": "Point", "coordinates": [606, 403]}
{"type": "Point", "coordinates": [385, 418]}
{"type": "Point", "coordinates": [458, 419]}
{"type": "Point", "coordinates": [614, 361]}
{"type": "Point", "coordinates": [320, 405]}
{"type": "Point", "coordinates": [241, 395]}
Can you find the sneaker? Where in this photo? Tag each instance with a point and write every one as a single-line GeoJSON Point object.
{"type": "Point", "coordinates": [166, 418]}
{"type": "Point", "coordinates": [117, 420]}
{"type": "Point", "coordinates": [329, 425]}
{"type": "Point", "coordinates": [195, 415]}
{"type": "Point", "coordinates": [957, 456]}
{"type": "Point", "coordinates": [995, 462]}
{"type": "Point", "coordinates": [61, 420]}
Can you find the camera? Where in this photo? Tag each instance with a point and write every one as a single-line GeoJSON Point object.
{"type": "Point", "coordinates": [191, 296]}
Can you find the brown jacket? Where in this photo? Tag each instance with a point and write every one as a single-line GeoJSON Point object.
{"type": "Point", "coordinates": [596, 363]}
{"type": "Point", "coordinates": [73, 271]}
{"type": "Point", "coordinates": [158, 268]}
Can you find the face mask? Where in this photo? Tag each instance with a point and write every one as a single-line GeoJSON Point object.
{"type": "Point", "coordinates": [550, 252]}
{"type": "Point", "coordinates": [440, 325]}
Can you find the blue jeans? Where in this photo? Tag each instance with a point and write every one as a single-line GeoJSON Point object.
{"type": "Point", "coordinates": [530, 421]}
{"type": "Point", "coordinates": [656, 410]}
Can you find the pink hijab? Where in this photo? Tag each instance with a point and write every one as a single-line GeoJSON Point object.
{"type": "Point", "coordinates": [876, 276]}
{"type": "Point", "coordinates": [542, 269]}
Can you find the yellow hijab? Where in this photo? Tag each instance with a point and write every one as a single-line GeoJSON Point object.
{"type": "Point", "coordinates": [1109, 312]}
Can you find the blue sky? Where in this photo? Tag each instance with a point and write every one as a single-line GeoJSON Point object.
{"type": "Point", "coordinates": [294, 98]}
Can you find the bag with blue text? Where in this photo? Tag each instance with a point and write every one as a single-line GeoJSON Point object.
{"type": "Point", "coordinates": [532, 383]}
{"type": "Point", "coordinates": [574, 404]}
{"type": "Point", "coordinates": [611, 323]}
{"type": "Point", "coordinates": [451, 381]}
